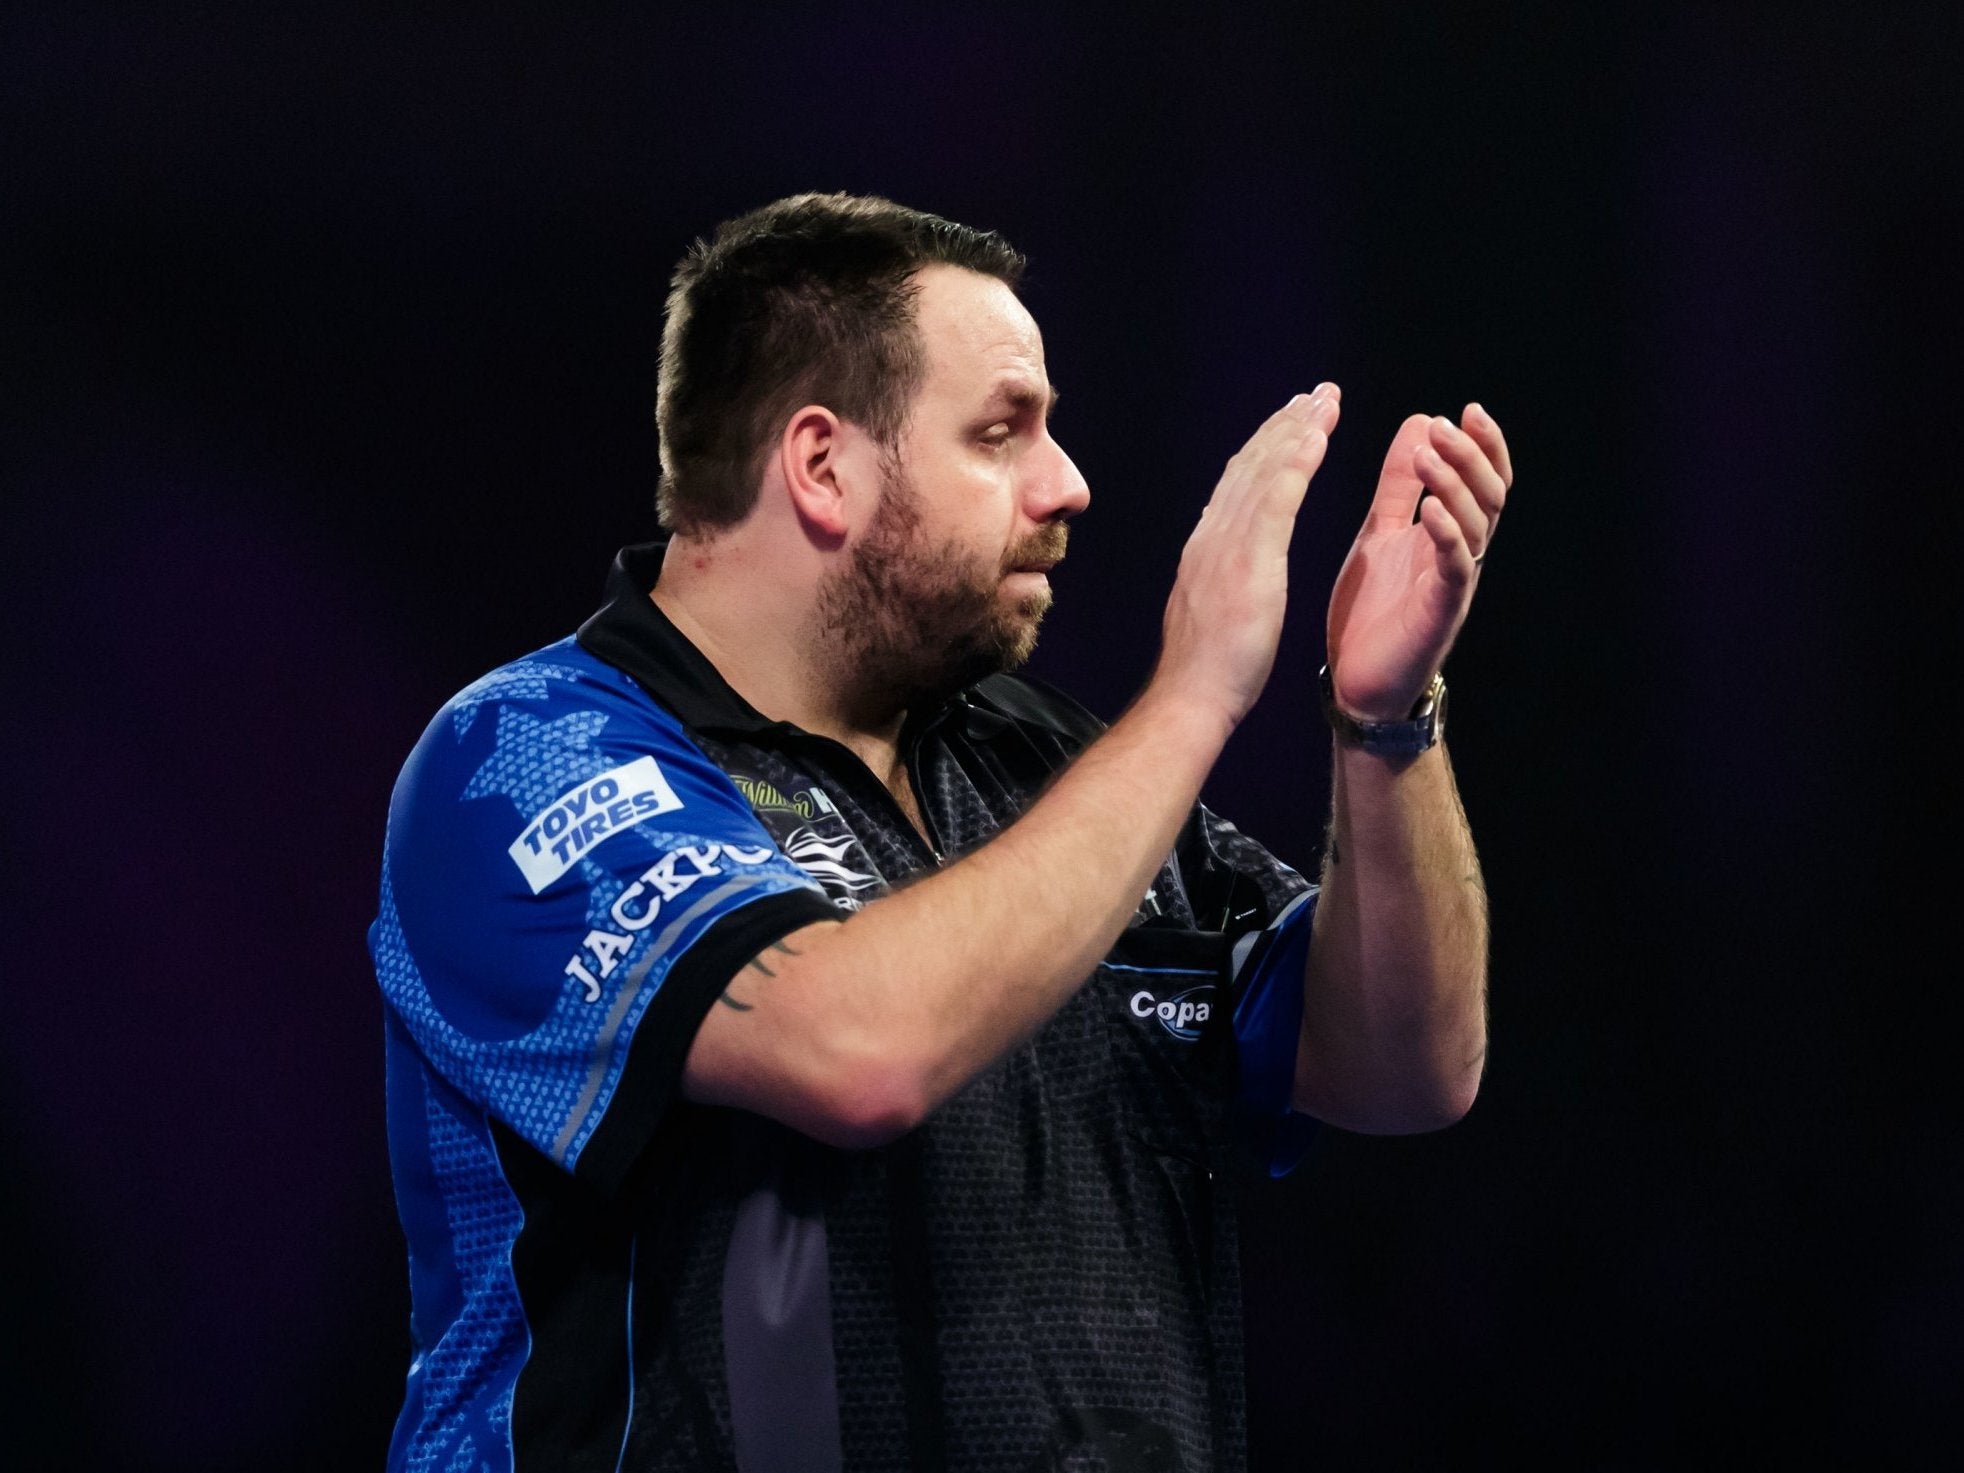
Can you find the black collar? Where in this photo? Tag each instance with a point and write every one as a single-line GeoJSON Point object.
{"type": "Point", "coordinates": [632, 634]}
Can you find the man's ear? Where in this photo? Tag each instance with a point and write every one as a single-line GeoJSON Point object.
{"type": "Point", "coordinates": [809, 455]}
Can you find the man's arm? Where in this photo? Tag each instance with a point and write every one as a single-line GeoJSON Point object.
{"type": "Point", "coordinates": [1394, 1003]}
{"type": "Point", "coordinates": [853, 1031]}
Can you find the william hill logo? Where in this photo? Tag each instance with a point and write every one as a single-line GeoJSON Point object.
{"type": "Point", "coordinates": [590, 814]}
{"type": "Point", "coordinates": [763, 796]}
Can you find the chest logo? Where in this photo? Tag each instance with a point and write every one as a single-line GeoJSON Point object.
{"type": "Point", "coordinates": [824, 859]}
{"type": "Point", "coordinates": [807, 803]}
{"type": "Point", "coordinates": [1180, 1015]}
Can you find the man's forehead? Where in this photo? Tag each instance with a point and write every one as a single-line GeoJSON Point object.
{"type": "Point", "coordinates": [978, 336]}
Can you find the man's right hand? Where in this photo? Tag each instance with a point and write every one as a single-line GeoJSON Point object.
{"type": "Point", "coordinates": [1225, 614]}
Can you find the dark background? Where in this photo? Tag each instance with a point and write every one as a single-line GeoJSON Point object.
{"type": "Point", "coordinates": [328, 372]}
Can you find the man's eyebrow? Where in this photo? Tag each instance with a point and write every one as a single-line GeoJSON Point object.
{"type": "Point", "coordinates": [1024, 397]}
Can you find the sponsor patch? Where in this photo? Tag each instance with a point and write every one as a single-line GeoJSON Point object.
{"type": "Point", "coordinates": [589, 815]}
{"type": "Point", "coordinates": [808, 803]}
{"type": "Point", "coordinates": [1180, 1016]}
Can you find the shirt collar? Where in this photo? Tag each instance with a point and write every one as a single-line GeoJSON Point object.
{"type": "Point", "coordinates": [631, 633]}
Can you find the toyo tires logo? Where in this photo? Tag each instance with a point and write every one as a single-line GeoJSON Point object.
{"type": "Point", "coordinates": [1181, 1015]}
{"type": "Point", "coordinates": [589, 814]}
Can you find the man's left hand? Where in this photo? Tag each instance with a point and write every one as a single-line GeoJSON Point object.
{"type": "Point", "coordinates": [1405, 588]}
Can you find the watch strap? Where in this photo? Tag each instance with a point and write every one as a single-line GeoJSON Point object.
{"type": "Point", "coordinates": [1415, 734]}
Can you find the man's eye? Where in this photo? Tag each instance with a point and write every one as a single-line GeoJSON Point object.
{"type": "Point", "coordinates": [996, 435]}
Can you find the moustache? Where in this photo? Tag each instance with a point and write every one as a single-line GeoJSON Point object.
{"type": "Point", "coordinates": [1045, 545]}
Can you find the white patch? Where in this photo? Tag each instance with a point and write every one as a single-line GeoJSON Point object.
{"type": "Point", "coordinates": [586, 816]}
{"type": "Point", "coordinates": [824, 860]}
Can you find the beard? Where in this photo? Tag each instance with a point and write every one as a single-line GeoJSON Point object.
{"type": "Point", "coordinates": [907, 622]}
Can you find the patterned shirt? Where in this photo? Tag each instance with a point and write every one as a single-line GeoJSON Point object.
{"type": "Point", "coordinates": [584, 848]}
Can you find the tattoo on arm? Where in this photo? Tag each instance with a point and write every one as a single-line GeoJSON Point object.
{"type": "Point", "coordinates": [757, 962]}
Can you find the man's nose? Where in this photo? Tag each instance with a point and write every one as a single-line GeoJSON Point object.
{"type": "Point", "coordinates": [1060, 492]}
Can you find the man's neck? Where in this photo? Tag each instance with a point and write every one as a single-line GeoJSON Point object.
{"type": "Point", "coordinates": [750, 615]}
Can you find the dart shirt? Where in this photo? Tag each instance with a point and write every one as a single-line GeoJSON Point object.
{"type": "Point", "coordinates": [583, 850]}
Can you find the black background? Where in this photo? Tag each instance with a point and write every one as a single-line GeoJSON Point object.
{"type": "Point", "coordinates": [328, 385]}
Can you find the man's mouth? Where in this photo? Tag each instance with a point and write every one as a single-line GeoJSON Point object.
{"type": "Point", "coordinates": [1039, 553]}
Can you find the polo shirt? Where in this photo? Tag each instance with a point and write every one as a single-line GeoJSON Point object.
{"type": "Point", "coordinates": [583, 850]}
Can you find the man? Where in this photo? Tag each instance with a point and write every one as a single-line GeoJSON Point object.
{"type": "Point", "coordinates": [811, 1047]}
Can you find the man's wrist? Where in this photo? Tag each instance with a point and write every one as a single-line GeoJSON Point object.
{"type": "Point", "coordinates": [1182, 722]}
{"type": "Point", "coordinates": [1418, 731]}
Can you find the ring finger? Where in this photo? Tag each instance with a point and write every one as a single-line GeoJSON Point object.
{"type": "Point", "coordinates": [1450, 488]}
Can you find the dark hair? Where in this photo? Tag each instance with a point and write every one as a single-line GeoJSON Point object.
{"type": "Point", "coordinates": [807, 300]}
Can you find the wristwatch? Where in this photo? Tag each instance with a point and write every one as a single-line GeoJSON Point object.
{"type": "Point", "coordinates": [1406, 738]}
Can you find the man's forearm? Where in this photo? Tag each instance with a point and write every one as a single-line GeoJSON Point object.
{"type": "Point", "coordinates": [1394, 1008]}
{"type": "Point", "coordinates": [887, 1015]}
{"type": "Point", "coordinates": [976, 958]}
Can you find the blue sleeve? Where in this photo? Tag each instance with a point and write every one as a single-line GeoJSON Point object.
{"type": "Point", "coordinates": [567, 885]}
{"type": "Point", "coordinates": [1268, 1008]}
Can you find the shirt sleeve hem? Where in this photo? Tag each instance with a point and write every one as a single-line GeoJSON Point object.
{"type": "Point", "coordinates": [661, 1042]}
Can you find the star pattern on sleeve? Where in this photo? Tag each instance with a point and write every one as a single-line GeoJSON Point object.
{"type": "Point", "coordinates": [524, 682]}
{"type": "Point", "coordinates": [535, 760]}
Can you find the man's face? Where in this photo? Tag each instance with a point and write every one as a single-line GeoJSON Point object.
{"type": "Point", "coordinates": [948, 582]}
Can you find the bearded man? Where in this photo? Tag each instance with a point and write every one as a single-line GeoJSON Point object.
{"type": "Point", "coordinates": [811, 1046]}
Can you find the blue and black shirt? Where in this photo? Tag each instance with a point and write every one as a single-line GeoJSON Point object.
{"type": "Point", "coordinates": [584, 848]}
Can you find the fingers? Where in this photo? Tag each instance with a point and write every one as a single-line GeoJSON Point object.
{"type": "Point", "coordinates": [1476, 422]}
{"type": "Point", "coordinates": [1455, 470]}
{"type": "Point", "coordinates": [1226, 609]}
{"type": "Point", "coordinates": [1300, 455]}
{"type": "Point", "coordinates": [1456, 559]}
{"type": "Point", "coordinates": [1290, 442]}
{"type": "Point", "coordinates": [1307, 419]}
{"type": "Point", "coordinates": [1466, 455]}
{"type": "Point", "coordinates": [1286, 424]}
{"type": "Point", "coordinates": [1302, 417]}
